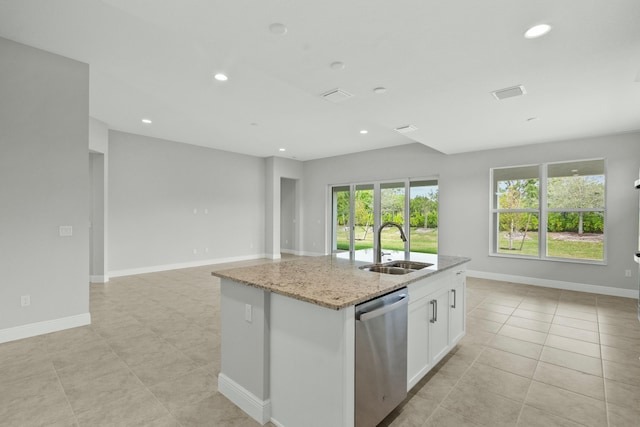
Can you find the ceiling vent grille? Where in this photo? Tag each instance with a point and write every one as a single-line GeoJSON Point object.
{"type": "Point", "coordinates": [509, 92]}
{"type": "Point", "coordinates": [406, 129]}
{"type": "Point", "coordinates": [336, 95]}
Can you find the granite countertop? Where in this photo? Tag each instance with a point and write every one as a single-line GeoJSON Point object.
{"type": "Point", "coordinates": [331, 281]}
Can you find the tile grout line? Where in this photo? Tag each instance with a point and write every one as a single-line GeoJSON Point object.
{"type": "Point", "coordinates": [524, 402]}
{"type": "Point", "coordinates": [66, 398]}
{"type": "Point", "coordinates": [458, 380]}
{"type": "Point", "coordinates": [604, 382]}
{"type": "Point", "coordinates": [138, 378]}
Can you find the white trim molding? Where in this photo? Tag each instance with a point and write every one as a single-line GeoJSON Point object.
{"type": "Point", "coordinates": [46, 327]}
{"type": "Point", "coordinates": [98, 279]}
{"type": "Point", "coordinates": [177, 266]}
{"type": "Point", "coordinates": [556, 284]}
{"type": "Point", "coordinates": [259, 410]}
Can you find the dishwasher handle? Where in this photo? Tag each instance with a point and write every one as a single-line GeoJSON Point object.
{"type": "Point", "coordinates": [383, 310]}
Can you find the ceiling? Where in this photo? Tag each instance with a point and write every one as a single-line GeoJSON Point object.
{"type": "Point", "coordinates": [438, 60]}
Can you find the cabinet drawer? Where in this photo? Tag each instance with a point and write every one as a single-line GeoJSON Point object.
{"type": "Point", "coordinates": [428, 285]}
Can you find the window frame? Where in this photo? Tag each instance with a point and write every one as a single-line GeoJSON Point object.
{"type": "Point", "coordinates": [543, 211]}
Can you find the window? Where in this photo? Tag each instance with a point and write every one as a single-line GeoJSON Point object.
{"type": "Point", "coordinates": [552, 211]}
{"type": "Point", "coordinates": [359, 209]}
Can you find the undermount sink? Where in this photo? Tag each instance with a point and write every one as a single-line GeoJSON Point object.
{"type": "Point", "coordinates": [410, 265]}
{"type": "Point", "coordinates": [396, 267]}
{"type": "Point", "coordinates": [386, 270]}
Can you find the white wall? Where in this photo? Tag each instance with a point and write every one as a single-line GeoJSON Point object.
{"type": "Point", "coordinates": [464, 201]}
{"type": "Point", "coordinates": [44, 183]}
{"type": "Point", "coordinates": [167, 199]}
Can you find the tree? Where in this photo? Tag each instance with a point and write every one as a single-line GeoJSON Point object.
{"type": "Point", "coordinates": [576, 192]}
{"type": "Point", "coordinates": [364, 210]}
{"type": "Point", "coordinates": [517, 194]}
{"type": "Point", "coordinates": [343, 207]}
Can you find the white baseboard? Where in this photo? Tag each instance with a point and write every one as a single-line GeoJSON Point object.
{"type": "Point", "coordinates": [308, 253]}
{"type": "Point", "coordinates": [259, 410]}
{"type": "Point", "coordinates": [177, 266]}
{"type": "Point", "coordinates": [556, 284]}
{"type": "Point", "coordinates": [98, 279]}
{"type": "Point", "coordinates": [41, 328]}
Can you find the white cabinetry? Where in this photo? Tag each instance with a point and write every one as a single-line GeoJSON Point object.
{"type": "Point", "coordinates": [436, 321]}
{"type": "Point", "coordinates": [457, 309]}
{"type": "Point", "coordinates": [418, 340]}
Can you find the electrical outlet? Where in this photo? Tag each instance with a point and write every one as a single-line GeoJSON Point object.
{"type": "Point", "coordinates": [247, 312]}
{"type": "Point", "coordinates": [25, 300]}
{"type": "Point", "coordinates": [627, 273]}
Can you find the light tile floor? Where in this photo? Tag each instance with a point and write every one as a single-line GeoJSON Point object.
{"type": "Point", "coordinates": [532, 357]}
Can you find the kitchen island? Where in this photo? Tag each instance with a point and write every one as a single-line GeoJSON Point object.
{"type": "Point", "coordinates": [288, 332]}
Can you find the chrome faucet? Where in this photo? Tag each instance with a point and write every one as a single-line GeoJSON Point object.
{"type": "Point", "coordinates": [378, 250]}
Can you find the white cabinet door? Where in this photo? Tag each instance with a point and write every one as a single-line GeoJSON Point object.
{"type": "Point", "coordinates": [439, 325]}
{"type": "Point", "coordinates": [457, 308]}
{"type": "Point", "coordinates": [418, 341]}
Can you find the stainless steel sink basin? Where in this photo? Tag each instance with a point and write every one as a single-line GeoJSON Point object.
{"type": "Point", "coordinates": [396, 267]}
{"type": "Point", "coordinates": [411, 265]}
{"type": "Point", "coordinates": [386, 269]}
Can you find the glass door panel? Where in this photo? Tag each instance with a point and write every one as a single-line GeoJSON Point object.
{"type": "Point", "coordinates": [341, 219]}
{"type": "Point", "coordinates": [423, 216]}
{"type": "Point", "coordinates": [392, 208]}
{"type": "Point", "coordinates": [363, 217]}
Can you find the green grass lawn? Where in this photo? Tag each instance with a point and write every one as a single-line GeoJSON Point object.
{"type": "Point", "coordinates": [555, 248]}
{"type": "Point", "coordinates": [425, 242]}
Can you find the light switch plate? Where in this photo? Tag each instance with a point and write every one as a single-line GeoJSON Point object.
{"type": "Point", "coordinates": [66, 231]}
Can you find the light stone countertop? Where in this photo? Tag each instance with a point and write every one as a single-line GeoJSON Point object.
{"type": "Point", "coordinates": [331, 281]}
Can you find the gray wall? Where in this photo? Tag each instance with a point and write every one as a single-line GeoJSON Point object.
{"type": "Point", "coordinates": [276, 169]}
{"type": "Point", "coordinates": [99, 181]}
{"type": "Point", "coordinates": [168, 199]}
{"type": "Point", "coordinates": [44, 183]}
{"type": "Point", "coordinates": [464, 200]}
{"type": "Point", "coordinates": [288, 218]}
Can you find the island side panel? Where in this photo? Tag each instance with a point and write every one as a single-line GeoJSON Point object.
{"type": "Point", "coordinates": [312, 364]}
{"type": "Point", "coordinates": [244, 372]}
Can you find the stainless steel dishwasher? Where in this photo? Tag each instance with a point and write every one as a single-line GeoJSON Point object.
{"type": "Point", "coordinates": [381, 357]}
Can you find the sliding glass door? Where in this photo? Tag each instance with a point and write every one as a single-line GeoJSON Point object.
{"type": "Point", "coordinates": [358, 210]}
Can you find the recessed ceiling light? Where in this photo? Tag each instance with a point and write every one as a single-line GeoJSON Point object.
{"type": "Point", "coordinates": [282, 149]}
{"type": "Point", "coordinates": [278, 29]}
{"type": "Point", "coordinates": [380, 90]}
{"type": "Point", "coordinates": [221, 77]}
{"type": "Point", "coordinates": [147, 121]}
{"type": "Point", "coordinates": [337, 65]}
{"type": "Point", "coordinates": [537, 31]}
{"type": "Point", "coordinates": [364, 131]}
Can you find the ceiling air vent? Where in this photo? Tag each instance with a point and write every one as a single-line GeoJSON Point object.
{"type": "Point", "coordinates": [405, 129]}
{"type": "Point", "coordinates": [336, 95]}
{"type": "Point", "coordinates": [509, 92]}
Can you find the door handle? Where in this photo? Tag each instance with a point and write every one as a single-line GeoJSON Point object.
{"type": "Point", "coordinates": [434, 305]}
{"type": "Point", "coordinates": [454, 298]}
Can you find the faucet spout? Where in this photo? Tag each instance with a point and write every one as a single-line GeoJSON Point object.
{"type": "Point", "coordinates": [378, 250]}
